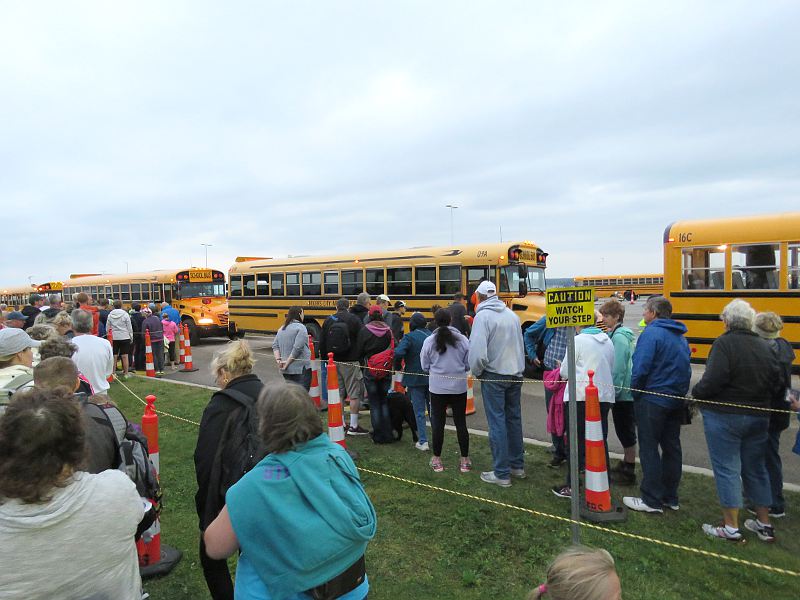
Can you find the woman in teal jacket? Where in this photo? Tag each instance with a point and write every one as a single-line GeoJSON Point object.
{"type": "Point", "coordinates": [301, 516]}
{"type": "Point", "coordinates": [613, 313]}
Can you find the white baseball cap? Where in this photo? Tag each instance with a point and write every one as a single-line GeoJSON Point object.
{"type": "Point", "coordinates": [486, 288]}
{"type": "Point", "coordinates": [383, 298]}
{"type": "Point", "coordinates": [14, 340]}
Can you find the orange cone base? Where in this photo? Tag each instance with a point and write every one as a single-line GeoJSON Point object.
{"type": "Point", "coordinates": [191, 368]}
{"type": "Point", "coordinates": [170, 557]}
{"type": "Point", "coordinates": [615, 515]}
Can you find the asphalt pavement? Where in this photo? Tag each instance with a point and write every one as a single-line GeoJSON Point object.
{"type": "Point", "coordinates": [695, 452]}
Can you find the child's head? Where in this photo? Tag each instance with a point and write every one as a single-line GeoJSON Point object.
{"type": "Point", "coordinates": [580, 573]}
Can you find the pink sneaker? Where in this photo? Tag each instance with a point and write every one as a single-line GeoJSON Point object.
{"type": "Point", "coordinates": [436, 464]}
{"type": "Point", "coordinates": [465, 466]}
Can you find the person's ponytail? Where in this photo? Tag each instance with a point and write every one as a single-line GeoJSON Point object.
{"type": "Point", "coordinates": [444, 336]}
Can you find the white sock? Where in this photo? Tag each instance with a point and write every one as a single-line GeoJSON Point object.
{"type": "Point", "coordinates": [353, 421]}
{"type": "Point", "coordinates": [730, 529]}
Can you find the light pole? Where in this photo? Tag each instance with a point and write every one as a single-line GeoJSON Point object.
{"type": "Point", "coordinates": [126, 266]}
{"type": "Point", "coordinates": [452, 208]}
{"type": "Point", "coordinates": [207, 246]}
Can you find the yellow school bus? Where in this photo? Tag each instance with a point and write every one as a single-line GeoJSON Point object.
{"type": "Point", "coordinates": [260, 291]}
{"type": "Point", "coordinates": [198, 294]}
{"type": "Point", "coordinates": [606, 286]}
{"type": "Point", "coordinates": [708, 263]}
{"type": "Point", "coordinates": [17, 296]}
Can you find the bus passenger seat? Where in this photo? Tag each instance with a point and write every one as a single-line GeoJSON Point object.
{"type": "Point", "coordinates": [737, 281]}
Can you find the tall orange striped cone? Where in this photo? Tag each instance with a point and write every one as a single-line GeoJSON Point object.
{"type": "Point", "coordinates": [470, 394]}
{"type": "Point", "coordinates": [314, 391]}
{"type": "Point", "coordinates": [154, 558]}
{"type": "Point", "coordinates": [188, 365]}
{"type": "Point", "coordinates": [633, 297]}
{"type": "Point", "coordinates": [149, 365]}
{"type": "Point", "coordinates": [181, 346]}
{"type": "Point", "coordinates": [598, 494]}
{"type": "Point", "coordinates": [335, 421]}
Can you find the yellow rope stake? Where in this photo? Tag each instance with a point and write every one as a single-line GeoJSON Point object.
{"type": "Point", "coordinates": [537, 513]}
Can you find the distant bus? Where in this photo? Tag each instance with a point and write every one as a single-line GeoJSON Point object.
{"type": "Point", "coordinates": [198, 294]}
{"type": "Point", "coordinates": [16, 297]}
{"type": "Point", "coordinates": [605, 286]}
{"type": "Point", "coordinates": [708, 263]}
{"type": "Point", "coordinates": [261, 290]}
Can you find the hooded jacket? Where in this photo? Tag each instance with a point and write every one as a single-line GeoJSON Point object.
{"type": "Point", "coordinates": [593, 352]}
{"type": "Point", "coordinates": [360, 311]}
{"type": "Point", "coordinates": [320, 517]}
{"type": "Point", "coordinates": [495, 344]}
{"type": "Point", "coordinates": [119, 324]}
{"type": "Point", "coordinates": [409, 350]}
{"type": "Point", "coordinates": [94, 311]}
{"type": "Point", "coordinates": [373, 338]}
{"type": "Point", "coordinates": [785, 354]}
{"type": "Point", "coordinates": [624, 342]}
{"type": "Point", "coordinates": [448, 369]}
{"type": "Point", "coordinates": [101, 560]}
{"type": "Point", "coordinates": [354, 325]}
{"type": "Point", "coordinates": [661, 363]}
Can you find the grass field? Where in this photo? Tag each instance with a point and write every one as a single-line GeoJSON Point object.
{"type": "Point", "coordinates": [432, 544]}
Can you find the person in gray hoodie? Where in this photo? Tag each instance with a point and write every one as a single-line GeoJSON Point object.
{"type": "Point", "coordinates": [497, 358]}
{"type": "Point", "coordinates": [118, 323]}
{"type": "Point", "coordinates": [291, 350]}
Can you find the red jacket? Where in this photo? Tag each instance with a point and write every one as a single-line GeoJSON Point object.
{"type": "Point", "coordinates": [95, 316]}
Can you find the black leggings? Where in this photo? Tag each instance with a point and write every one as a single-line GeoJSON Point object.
{"type": "Point", "coordinates": [439, 404]}
{"type": "Point", "coordinates": [218, 577]}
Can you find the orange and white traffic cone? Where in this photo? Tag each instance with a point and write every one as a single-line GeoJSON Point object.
{"type": "Point", "coordinates": [188, 365]}
{"type": "Point", "coordinates": [181, 345]}
{"type": "Point", "coordinates": [335, 415]}
{"type": "Point", "coordinates": [599, 508]}
{"type": "Point", "coordinates": [149, 365]}
{"type": "Point", "coordinates": [155, 558]}
{"type": "Point", "coordinates": [314, 391]}
{"type": "Point", "coordinates": [633, 297]}
{"type": "Point", "coordinates": [397, 381]}
{"type": "Point", "coordinates": [470, 394]}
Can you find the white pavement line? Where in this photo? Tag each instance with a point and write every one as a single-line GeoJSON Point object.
{"type": "Point", "coordinates": [792, 487]}
{"type": "Point", "coordinates": [175, 381]}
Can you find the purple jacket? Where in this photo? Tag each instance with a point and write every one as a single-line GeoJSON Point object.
{"type": "Point", "coordinates": [449, 370]}
{"type": "Point", "coordinates": [154, 326]}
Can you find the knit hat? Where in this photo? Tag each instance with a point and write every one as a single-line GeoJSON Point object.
{"type": "Point", "coordinates": [418, 321]}
{"type": "Point", "coordinates": [768, 325]}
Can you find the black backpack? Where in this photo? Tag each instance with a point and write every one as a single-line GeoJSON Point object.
{"type": "Point", "coordinates": [240, 449]}
{"type": "Point", "coordinates": [338, 338]}
{"type": "Point", "coordinates": [132, 449]}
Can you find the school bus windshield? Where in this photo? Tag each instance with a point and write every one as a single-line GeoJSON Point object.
{"type": "Point", "coordinates": [199, 290]}
{"type": "Point", "coordinates": [509, 279]}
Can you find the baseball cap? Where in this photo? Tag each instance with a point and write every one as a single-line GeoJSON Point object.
{"type": "Point", "coordinates": [399, 304]}
{"type": "Point", "coordinates": [15, 315]}
{"type": "Point", "coordinates": [486, 288]}
{"type": "Point", "coordinates": [15, 340]}
{"type": "Point", "coordinates": [383, 298]}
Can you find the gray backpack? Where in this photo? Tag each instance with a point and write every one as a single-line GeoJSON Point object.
{"type": "Point", "coordinates": [8, 391]}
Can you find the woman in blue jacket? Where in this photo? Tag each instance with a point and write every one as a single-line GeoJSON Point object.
{"type": "Point", "coordinates": [415, 381]}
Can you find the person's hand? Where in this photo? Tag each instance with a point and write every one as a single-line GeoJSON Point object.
{"type": "Point", "coordinates": [537, 362]}
{"type": "Point", "coordinates": [794, 402]}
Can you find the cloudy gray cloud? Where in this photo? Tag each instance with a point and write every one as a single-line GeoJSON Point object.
{"type": "Point", "coordinates": [136, 131]}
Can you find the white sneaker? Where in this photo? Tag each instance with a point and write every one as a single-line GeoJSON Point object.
{"type": "Point", "coordinates": [490, 477]}
{"type": "Point", "coordinates": [519, 473]}
{"type": "Point", "coordinates": [422, 446]}
{"type": "Point", "coordinates": [640, 505]}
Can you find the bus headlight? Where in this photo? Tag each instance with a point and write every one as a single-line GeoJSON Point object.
{"type": "Point", "coordinates": [205, 321]}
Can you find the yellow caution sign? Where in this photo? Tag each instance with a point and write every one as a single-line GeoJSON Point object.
{"type": "Point", "coordinates": [570, 307]}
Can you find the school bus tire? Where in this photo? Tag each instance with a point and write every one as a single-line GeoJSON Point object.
{"type": "Point", "coordinates": [315, 331]}
{"type": "Point", "coordinates": [194, 333]}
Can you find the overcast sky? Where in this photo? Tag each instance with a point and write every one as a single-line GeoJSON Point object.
{"type": "Point", "coordinates": [134, 132]}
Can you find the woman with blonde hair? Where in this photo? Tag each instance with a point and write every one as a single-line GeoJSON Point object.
{"type": "Point", "coordinates": [580, 573]}
{"type": "Point", "coordinates": [223, 436]}
{"type": "Point", "coordinates": [63, 324]}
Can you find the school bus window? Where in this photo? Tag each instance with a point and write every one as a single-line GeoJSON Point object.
{"type": "Point", "coordinates": [794, 266]}
{"type": "Point", "coordinates": [352, 282]}
{"type": "Point", "coordinates": [235, 285]}
{"type": "Point", "coordinates": [262, 284]}
{"type": "Point", "coordinates": [398, 281]}
{"type": "Point", "coordinates": [115, 287]}
{"type": "Point", "coordinates": [755, 266]}
{"type": "Point", "coordinates": [425, 278]}
{"type": "Point", "coordinates": [125, 292]}
{"type": "Point", "coordinates": [331, 283]}
{"type": "Point", "coordinates": [449, 279]}
{"type": "Point", "coordinates": [312, 284]}
{"type": "Point", "coordinates": [703, 268]}
{"type": "Point", "coordinates": [375, 282]}
{"type": "Point", "coordinates": [249, 285]}
{"type": "Point", "coordinates": [477, 274]}
{"type": "Point", "coordinates": [136, 292]}
{"type": "Point", "coordinates": [156, 296]}
{"type": "Point", "coordinates": [145, 292]}
{"type": "Point", "coordinates": [293, 284]}
{"type": "Point", "coordinates": [276, 284]}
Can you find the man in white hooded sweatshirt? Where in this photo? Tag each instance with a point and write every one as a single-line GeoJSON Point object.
{"type": "Point", "coordinates": [593, 352]}
{"type": "Point", "coordinates": [497, 358]}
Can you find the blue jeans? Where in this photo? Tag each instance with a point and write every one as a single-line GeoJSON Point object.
{"type": "Point", "coordinates": [323, 381]}
{"type": "Point", "coordinates": [501, 401]}
{"type": "Point", "coordinates": [659, 452]}
{"type": "Point", "coordinates": [775, 472]}
{"type": "Point", "coordinates": [377, 391]}
{"type": "Point", "coordinates": [737, 445]}
{"type": "Point", "coordinates": [419, 400]}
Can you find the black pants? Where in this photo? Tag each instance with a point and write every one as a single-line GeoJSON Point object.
{"type": "Point", "coordinates": [303, 378]}
{"type": "Point", "coordinates": [439, 403]}
{"type": "Point", "coordinates": [218, 577]}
